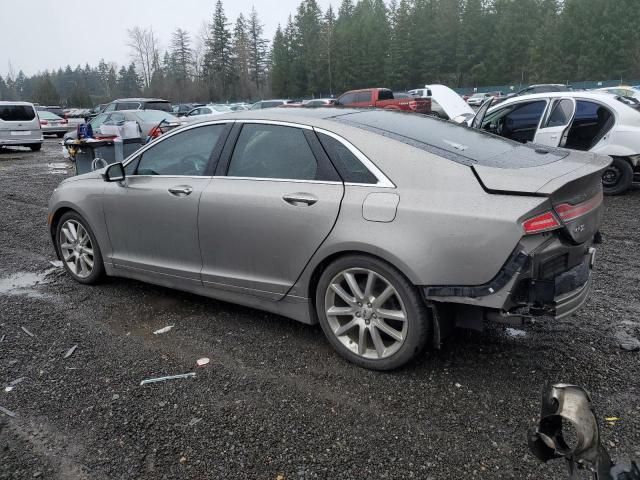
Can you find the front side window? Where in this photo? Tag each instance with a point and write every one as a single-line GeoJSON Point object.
{"type": "Point", "coordinates": [272, 151]}
{"type": "Point", "coordinates": [347, 99]}
{"type": "Point", "coordinates": [185, 153]}
{"type": "Point", "coordinates": [518, 121]}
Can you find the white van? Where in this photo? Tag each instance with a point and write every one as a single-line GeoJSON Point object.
{"type": "Point", "coordinates": [20, 125]}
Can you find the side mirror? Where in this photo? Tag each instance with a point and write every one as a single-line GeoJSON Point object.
{"type": "Point", "coordinates": [114, 173]}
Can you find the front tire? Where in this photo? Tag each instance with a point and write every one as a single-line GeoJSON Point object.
{"type": "Point", "coordinates": [370, 313]}
{"type": "Point", "coordinates": [617, 177]}
{"type": "Point", "coordinates": [78, 249]}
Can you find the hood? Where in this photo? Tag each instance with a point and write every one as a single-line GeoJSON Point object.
{"type": "Point", "coordinates": [452, 104]}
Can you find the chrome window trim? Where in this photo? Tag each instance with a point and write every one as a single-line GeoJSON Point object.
{"type": "Point", "coordinates": [383, 180]}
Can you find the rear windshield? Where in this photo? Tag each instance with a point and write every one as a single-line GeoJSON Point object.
{"type": "Point", "coordinates": [48, 115]}
{"type": "Point", "coordinates": [155, 116]}
{"type": "Point", "coordinates": [164, 106]}
{"type": "Point", "coordinates": [455, 142]}
{"type": "Point", "coordinates": [17, 113]}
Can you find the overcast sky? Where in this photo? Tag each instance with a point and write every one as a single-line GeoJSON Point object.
{"type": "Point", "coordinates": [37, 35]}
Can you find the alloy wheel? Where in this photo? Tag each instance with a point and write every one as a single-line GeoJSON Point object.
{"type": "Point", "coordinates": [76, 248]}
{"type": "Point", "coordinates": [365, 313]}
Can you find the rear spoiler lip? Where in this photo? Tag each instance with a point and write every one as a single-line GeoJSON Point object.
{"type": "Point", "coordinates": [597, 163]}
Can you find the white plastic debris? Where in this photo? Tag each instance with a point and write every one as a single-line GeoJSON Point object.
{"type": "Point", "coordinates": [170, 377]}
{"type": "Point", "coordinates": [163, 330]}
{"type": "Point", "coordinates": [56, 263]}
{"type": "Point", "coordinates": [8, 389]}
{"type": "Point", "coordinates": [16, 381]}
{"type": "Point", "coordinates": [457, 385]}
{"type": "Point", "coordinates": [24, 329]}
{"type": "Point", "coordinates": [70, 351]}
{"type": "Point", "coordinates": [8, 413]}
{"type": "Point", "coordinates": [201, 362]}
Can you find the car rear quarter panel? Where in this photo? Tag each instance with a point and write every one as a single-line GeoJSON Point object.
{"type": "Point", "coordinates": [447, 230]}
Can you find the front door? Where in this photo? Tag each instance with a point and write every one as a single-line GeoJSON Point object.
{"type": "Point", "coordinates": [553, 131]}
{"type": "Point", "coordinates": [262, 222]}
{"type": "Point", "coordinates": [152, 216]}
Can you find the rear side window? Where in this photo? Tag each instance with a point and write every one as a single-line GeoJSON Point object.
{"type": "Point", "coordinates": [272, 151]}
{"type": "Point", "coordinates": [349, 167]}
{"type": "Point", "coordinates": [164, 106]}
{"type": "Point", "coordinates": [17, 113]}
{"type": "Point", "coordinates": [128, 106]}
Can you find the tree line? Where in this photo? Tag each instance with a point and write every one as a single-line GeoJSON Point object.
{"type": "Point", "coordinates": [400, 44]}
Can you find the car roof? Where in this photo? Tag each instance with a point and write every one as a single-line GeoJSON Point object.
{"type": "Point", "coordinates": [8, 102]}
{"type": "Point", "coordinates": [139, 99]}
{"type": "Point", "coordinates": [594, 95]}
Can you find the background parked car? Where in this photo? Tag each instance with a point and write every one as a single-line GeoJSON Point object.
{"type": "Point", "coordinates": [52, 124]}
{"type": "Point", "coordinates": [478, 99]}
{"type": "Point", "coordinates": [206, 112]}
{"type": "Point", "coordinates": [20, 125]}
{"type": "Point", "coordinates": [589, 121]}
{"type": "Point", "coordinates": [138, 104]}
{"type": "Point", "coordinates": [58, 110]}
{"type": "Point", "coordinates": [622, 91]}
{"type": "Point", "coordinates": [269, 104]}
{"type": "Point", "coordinates": [181, 109]}
{"type": "Point", "coordinates": [382, 98]}
{"type": "Point", "coordinates": [147, 120]}
{"type": "Point", "coordinates": [445, 102]}
{"type": "Point", "coordinates": [319, 102]}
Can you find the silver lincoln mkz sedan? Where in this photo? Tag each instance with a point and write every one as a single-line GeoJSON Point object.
{"type": "Point", "coordinates": [387, 228]}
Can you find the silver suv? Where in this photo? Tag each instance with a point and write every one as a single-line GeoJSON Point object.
{"type": "Point", "coordinates": [20, 125]}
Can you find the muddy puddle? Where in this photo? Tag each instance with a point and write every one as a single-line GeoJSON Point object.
{"type": "Point", "coordinates": [25, 283]}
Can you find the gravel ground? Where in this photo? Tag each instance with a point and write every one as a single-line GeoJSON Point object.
{"type": "Point", "coordinates": [276, 402]}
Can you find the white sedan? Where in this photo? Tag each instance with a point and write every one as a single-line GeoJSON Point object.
{"type": "Point", "coordinates": [206, 112]}
{"type": "Point", "coordinates": [596, 122]}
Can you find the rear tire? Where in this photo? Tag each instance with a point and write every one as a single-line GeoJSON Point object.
{"type": "Point", "coordinates": [370, 313]}
{"type": "Point", "coordinates": [35, 148]}
{"type": "Point", "coordinates": [617, 177]}
{"type": "Point", "coordinates": [78, 249]}
{"type": "Point", "coordinates": [60, 135]}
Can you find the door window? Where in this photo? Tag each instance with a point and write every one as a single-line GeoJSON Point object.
{"type": "Point", "coordinates": [561, 113]}
{"type": "Point", "coordinates": [128, 106]}
{"type": "Point", "coordinates": [185, 153]}
{"type": "Point", "coordinates": [272, 151]}
{"type": "Point", "coordinates": [347, 99]}
{"type": "Point", "coordinates": [385, 95]}
{"type": "Point", "coordinates": [591, 122]}
{"type": "Point", "coordinates": [518, 122]}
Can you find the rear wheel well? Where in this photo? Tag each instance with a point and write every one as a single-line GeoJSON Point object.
{"type": "Point", "coordinates": [317, 272]}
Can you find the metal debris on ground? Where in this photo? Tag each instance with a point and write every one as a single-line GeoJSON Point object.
{"type": "Point", "coordinates": [201, 362]}
{"type": "Point", "coordinates": [2, 338]}
{"type": "Point", "coordinates": [24, 329]}
{"type": "Point", "coordinates": [170, 377]}
{"type": "Point", "coordinates": [70, 351]}
{"type": "Point", "coordinates": [16, 381]}
{"type": "Point", "coordinates": [163, 330]}
{"type": "Point", "coordinates": [8, 413]}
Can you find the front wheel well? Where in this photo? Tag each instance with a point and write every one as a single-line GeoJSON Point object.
{"type": "Point", "coordinates": [55, 218]}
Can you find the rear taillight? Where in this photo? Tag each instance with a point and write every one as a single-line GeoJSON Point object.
{"type": "Point", "coordinates": [567, 211]}
{"type": "Point", "coordinates": [541, 223]}
{"type": "Point", "coordinates": [155, 132]}
{"type": "Point", "coordinates": [44, 122]}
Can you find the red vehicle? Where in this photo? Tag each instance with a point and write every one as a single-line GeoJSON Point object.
{"type": "Point", "coordinates": [382, 98]}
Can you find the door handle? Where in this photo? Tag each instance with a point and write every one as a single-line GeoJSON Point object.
{"type": "Point", "coordinates": [181, 190]}
{"type": "Point", "coordinates": [300, 199]}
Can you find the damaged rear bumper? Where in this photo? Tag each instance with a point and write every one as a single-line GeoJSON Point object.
{"type": "Point", "coordinates": [552, 279]}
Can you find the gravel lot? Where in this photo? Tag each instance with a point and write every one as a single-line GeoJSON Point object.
{"type": "Point", "coordinates": [275, 401]}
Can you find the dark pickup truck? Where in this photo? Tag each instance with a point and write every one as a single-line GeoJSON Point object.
{"type": "Point", "coordinates": [382, 98]}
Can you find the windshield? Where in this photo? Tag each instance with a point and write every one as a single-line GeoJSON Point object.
{"type": "Point", "coordinates": [98, 120]}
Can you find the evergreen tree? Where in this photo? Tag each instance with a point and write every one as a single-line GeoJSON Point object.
{"type": "Point", "coordinates": [280, 64]}
{"type": "Point", "coordinates": [45, 93]}
{"type": "Point", "coordinates": [240, 48]}
{"type": "Point", "coordinates": [258, 52]}
{"type": "Point", "coordinates": [218, 65]}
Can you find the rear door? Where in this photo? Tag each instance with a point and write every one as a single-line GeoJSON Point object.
{"type": "Point", "coordinates": [19, 122]}
{"type": "Point", "coordinates": [273, 201]}
{"type": "Point", "coordinates": [555, 125]}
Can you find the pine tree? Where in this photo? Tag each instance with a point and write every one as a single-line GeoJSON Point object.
{"type": "Point", "coordinates": [45, 93]}
{"type": "Point", "coordinates": [240, 49]}
{"type": "Point", "coordinates": [280, 65]}
{"type": "Point", "coordinates": [258, 53]}
{"type": "Point", "coordinates": [345, 70]}
{"type": "Point", "coordinates": [218, 65]}
{"type": "Point", "coordinates": [181, 54]}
